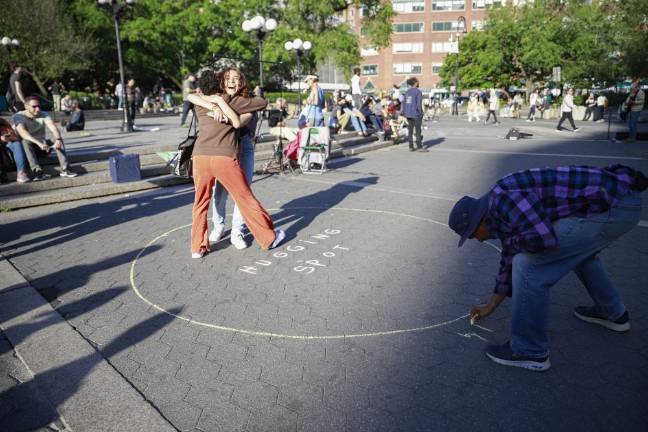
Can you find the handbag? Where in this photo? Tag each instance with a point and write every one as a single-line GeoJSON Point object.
{"type": "Point", "coordinates": [181, 163]}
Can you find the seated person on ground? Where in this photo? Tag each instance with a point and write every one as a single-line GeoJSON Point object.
{"type": "Point", "coordinates": [31, 125]}
{"type": "Point", "coordinates": [77, 119]}
{"type": "Point", "coordinates": [9, 141]}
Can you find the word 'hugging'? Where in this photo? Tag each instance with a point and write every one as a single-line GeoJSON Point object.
{"type": "Point", "coordinates": [305, 266]}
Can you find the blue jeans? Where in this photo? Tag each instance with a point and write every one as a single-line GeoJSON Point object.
{"type": "Point", "coordinates": [314, 115]}
{"type": "Point", "coordinates": [579, 242]}
{"type": "Point", "coordinates": [633, 119]}
{"type": "Point", "coordinates": [16, 149]}
{"type": "Point", "coordinates": [376, 122]}
{"type": "Point", "coordinates": [358, 125]}
{"type": "Point", "coordinates": [219, 194]}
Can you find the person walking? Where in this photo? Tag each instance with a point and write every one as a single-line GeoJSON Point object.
{"type": "Point", "coordinates": [566, 108]}
{"type": "Point", "coordinates": [551, 221]}
{"type": "Point", "coordinates": [634, 103]}
{"type": "Point", "coordinates": [356, 91]}
{"type": "Point", "coordinates": [15, 97]}
{"type": "Point", "coordinates": [188, 87]}
{"type": "Point", "coordinates": [493, 106]}
{"type": "Point", "coordinates": [216, 158]}
{"type": "Point", "coordinates": [413, 112]}
{"type": "Point", "coordinates": [590, 106]}
{"type": "Point", "coordinates": [132, 101]}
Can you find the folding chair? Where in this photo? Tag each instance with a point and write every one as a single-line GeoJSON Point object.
{"type": "Point", "coordinates": [315, 150]}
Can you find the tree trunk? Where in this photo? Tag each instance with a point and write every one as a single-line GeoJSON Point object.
{"type": "Point", "coordinates": [39, 83]}
{"type": "Point", "coordinates": [175, 80]}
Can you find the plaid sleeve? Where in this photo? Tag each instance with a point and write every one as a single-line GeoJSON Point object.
{"type": "Point", "coordinates": [531, 229]}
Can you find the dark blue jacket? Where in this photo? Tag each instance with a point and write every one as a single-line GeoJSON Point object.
{"type": "Point", "coordinates": [413, 103]}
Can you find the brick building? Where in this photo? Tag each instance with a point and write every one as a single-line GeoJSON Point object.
{"type": "Point", "coordinates": [425, 31]}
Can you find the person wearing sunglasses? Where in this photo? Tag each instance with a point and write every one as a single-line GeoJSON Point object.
{"type": "Point", "coordinates": [31, 126]}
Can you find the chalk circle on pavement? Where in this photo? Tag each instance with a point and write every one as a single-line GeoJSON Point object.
{"type": "Point", "coordinates": [328, 249]}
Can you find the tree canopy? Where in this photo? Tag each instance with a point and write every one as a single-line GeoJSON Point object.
{"type": "Point", "coordinates": [593, 44]}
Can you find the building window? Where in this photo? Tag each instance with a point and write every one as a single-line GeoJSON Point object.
{"type": "Point", "coordinates": [407, 68]}
{"type": "Point", "coordinates": [408, 28]}
{"type": "Point", "coordinates": [483, 4]}
{"type": "Point", "coordinates": [368, 50]}
{"type": "Point", "coordinates": [442, 47]}
{"type": "Point", "coordinates": [370, 69]}
{"type": "Point", "coordinates": [436, 67]}
{"type": "Point", "coordinates": [447, 5]}
{"type": "Point", "coordinates": [441, 26]}
{"type": "Point", "coordinates": [363, 31]}
{"type": "Point", "coordinates": [410, 47]}
{"type": "Point", "coordinates": [477, 25]}
{"type": "Point", "coordinates": [406, 6]}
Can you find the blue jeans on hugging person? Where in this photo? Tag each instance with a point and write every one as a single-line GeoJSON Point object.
{"type": "Point", "coordinates": [580, 240]}
{"type": "Point", "coordinates": [219, 195]}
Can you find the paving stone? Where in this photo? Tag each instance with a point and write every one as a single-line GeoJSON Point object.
{"type": "Point", "coordinates": [225, 418]}
{"type": "Point", "coordinates": [275, 418]}
{"type": "Point", "coordinates": [255, 395]}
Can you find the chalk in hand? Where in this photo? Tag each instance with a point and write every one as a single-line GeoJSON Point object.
{"type": "Point", "coordinates": [473, 319]}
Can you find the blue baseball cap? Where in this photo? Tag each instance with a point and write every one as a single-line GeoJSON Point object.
{"type": "Point", "coordinates": [466, 215]}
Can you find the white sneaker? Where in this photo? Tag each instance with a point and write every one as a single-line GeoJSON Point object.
{"type": "Point", "coordinates": [279, 237]}
{"type": "Point", "coordinates": [238, 240]}
{"type": "Point", "coordinates": [576, 130]}
{"type": "Point", "coordinates": [196, 255]}
{"type": "Point", "coordinates": [216, 233]}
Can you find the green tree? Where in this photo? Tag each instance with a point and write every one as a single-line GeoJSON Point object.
{"type": "Point", "coordinates": [50, 45]}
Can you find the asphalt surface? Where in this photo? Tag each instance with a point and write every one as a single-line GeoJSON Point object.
{"type": "Point", "coordinates": [357, 322]}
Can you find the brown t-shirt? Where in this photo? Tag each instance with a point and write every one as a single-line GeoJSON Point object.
{"type": "Point", "coordinates": [219, 139]}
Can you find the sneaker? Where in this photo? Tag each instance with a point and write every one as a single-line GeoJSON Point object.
{"type": "Point", "coordinates": [196, 255]}
{"type": "Point", "coordinates": [576, 130]}
{"type": "Point", "coordinates": [422, 150]}
{"type": "Point", "coordinates": [39, 175]}
{"type": "Point", "coordinates": [504, 355]}
{"type": "Point", "coordinates": [558, 130]}
{"type": "Point", "coordinates": [68, 173]}
{"type": "Point", "coordinates": [216, 234]}
{"type": "Point", "coordinates": [238, 240]}
{"type": "Point", "coordinates": [22, 177]}
{"type": "Point", "coordinates": [591, 315]}
{"type": "Point", "coordinates": [412, 149]}
{"type": "Point", "coordinates": [279, 237]}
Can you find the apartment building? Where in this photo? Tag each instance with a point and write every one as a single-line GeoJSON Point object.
{"type": "Point", "coordinates": [424, 32]}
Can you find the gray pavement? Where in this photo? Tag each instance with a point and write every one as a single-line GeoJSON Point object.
{"type": "Point", "coordinates": [358, 322]}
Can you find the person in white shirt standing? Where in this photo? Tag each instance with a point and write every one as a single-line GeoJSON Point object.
{"type": "Point", "coordinates": [533, 100]}
{"type": "Point", "coordinates": [356, 92]}
{"type": "Point", "coordinates": [567, 107]}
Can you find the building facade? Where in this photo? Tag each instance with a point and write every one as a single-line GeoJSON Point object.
{"type": "Point", "coordinates": [424, 32]}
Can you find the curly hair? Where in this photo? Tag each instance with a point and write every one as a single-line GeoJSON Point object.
{"type": "Point", "coordinates": [209, 82]}
{"type": "Point", "coordinates": [244, 90]}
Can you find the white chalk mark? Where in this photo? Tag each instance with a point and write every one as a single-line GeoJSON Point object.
{"type": "Point", "coordinates": [484, 328]}
{"type": "Point", "coordinates": [471, 335]}
{"type": "Point", "coordinates": [289, 336]}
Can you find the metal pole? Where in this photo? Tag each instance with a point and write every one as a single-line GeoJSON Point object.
{"type": "Point", "coordinates": [126, 119]}
{"type": "Point", "coordinates": [260, 36]}
{"type": "Point", "coordinates": [299, 80]}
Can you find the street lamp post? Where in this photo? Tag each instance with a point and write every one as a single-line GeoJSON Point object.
{"type": "Point", "coordinates": [300, 47]}
{"type": "Point", "coordinates": [460, 31]}
{"type": "Point", "coordinates": [118, 9]}
{"type": "Point", "coordinates": [261, 26]}
{"type": "Point", "coordinates": [10, 44]}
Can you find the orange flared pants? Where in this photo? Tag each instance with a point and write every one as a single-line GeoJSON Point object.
{"type": "Point", "coordinates": [206, 171]}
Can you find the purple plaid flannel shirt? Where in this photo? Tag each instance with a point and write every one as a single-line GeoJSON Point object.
{"type": "Point", "coordinates": [523, 206]}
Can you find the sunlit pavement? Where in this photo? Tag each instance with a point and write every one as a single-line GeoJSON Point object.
{"type": "Point", "coordinates": [358, 321]}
